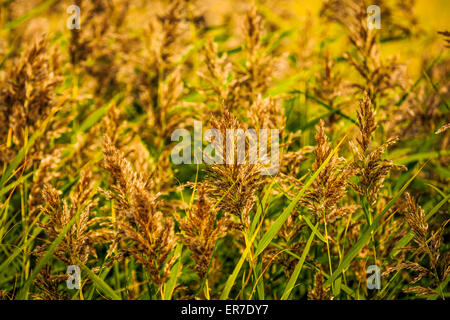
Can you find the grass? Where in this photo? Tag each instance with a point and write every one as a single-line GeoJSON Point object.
{"type": "Point", "coordinates": [85, 151]}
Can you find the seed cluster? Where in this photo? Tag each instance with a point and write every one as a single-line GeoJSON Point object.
{"type": "Point", "coordinates": [86, 139]}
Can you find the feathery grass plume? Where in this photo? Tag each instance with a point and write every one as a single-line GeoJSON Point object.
{"type": "Point", "coordinates": [221, 79]}
{"type": "Point", "coordinates": [416, 220]}
{"type": "Point", "coordinates": [379, 77]}
{"type": "Point", "coordinates": [372, 169]}
{"type": "Point", "coordinates": [93, 48]}
{"type": "Point", "coordinates": [128, 141]}
{"type": "Point", "coordinates": [78, 243]}
{"type": "Point", "coordinates": [443, 128]}
{"type": "Point", "coordinates": [160, 88]}
{"type": "Point", "coordinates": [172, 24]}
{"type": "Point", "coordinates": [304, 51]}
{"type": "Point", "coordinates": [260, 63]}
{"type": "Point", "coordinates": [162, 44]}
{"type": "Point", "coordinates": [388, 236]}
{"type": "Point", "coordinates": [4, 295]}
{"type": "Point", "coordinates": [420, 291]}
{"type": "Point", "coordinates": [27, 96]}
{"type": "Point", "coordinates": [446, 35]}
{"type": "Point", "coordinates": [290, 161]}
{"type": "Point", "coordinates": [138, 70]}
{"type": "Point", "coordinates": [366, 122]}
{"type": "Point", "coordinates": [115, 126]}
{"type": "Point", "coordinates": [200, 230]}
{"type": "Point", "coordinates": [291, 228]}
{"type": "Point", "coordinates": [98, 23]}
{"type": "Point", "coordinates": [47, 285]}
{"type": "Point", "coordinates": [147, 232]}
{"type": "Point", "coordinates": [421, 111]}
{"type": "Point", "coordinates": [319, 292]}
{"type": "Point", "coordinates": [233, 186]}
{"type": "Point", "coordinates": [46, 172]}
{"type": "Point", "coordinates": [169, 114]}
{"type": "Point", "coordinates": [291, 235]}
{"type": "Point", "coordinates": [330, 186]}
{"type": "Point", "coordinates": [399, 19]}
{"type": "Point", "coordinates": [331, 88]}
{"type": "Point", "coordinates": [236, 87]}
{"type": "Point", "coordinates": [266, 113]}
{"type": "Point", "coordinates": [437, 265]}
{"type": "Point", "coordinates": [162, 177]}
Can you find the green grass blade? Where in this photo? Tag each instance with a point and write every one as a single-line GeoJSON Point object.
{"type": "Point", "coordinates": [15, 253]}
{"type": "Point", "coordinates": [435, 89]}
{"type": "Point", "coordinates": [48, 255]}
{"type": "Point", "coordinates": [98, 114]}
{"type": "Point", "coordinates": [313, 229]}
{"type": "Point", "coordinates": [323, 104]}
{"type": "Point", "coordinates": [171, 283]}
{"type": "Point", "coordinates": [362, 241]}
{"type": "Point", "coordinates": [33, 12]}
{"type": "Point", "coordinates": [261, 207]}
{"type": "Point", "coordinates": [99, 283]}
{"type": "Point", "coordinates": [408, 237]}
{"type": "Point", "coordinates": [232, 278]}
{"type": "Point", "coordinates": [276, 226]}
{"type": "Point", "coordinates": [23, 151]}
{"type": "Point", "coordinates": [15, 183]}
{"type": "Point", "coordinates": [299, 266]}
{"type": "Point", "coordinates": [344, 288]}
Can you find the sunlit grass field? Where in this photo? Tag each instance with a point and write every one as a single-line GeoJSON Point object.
{"type": "Point", "coordinates": [93, 207]}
